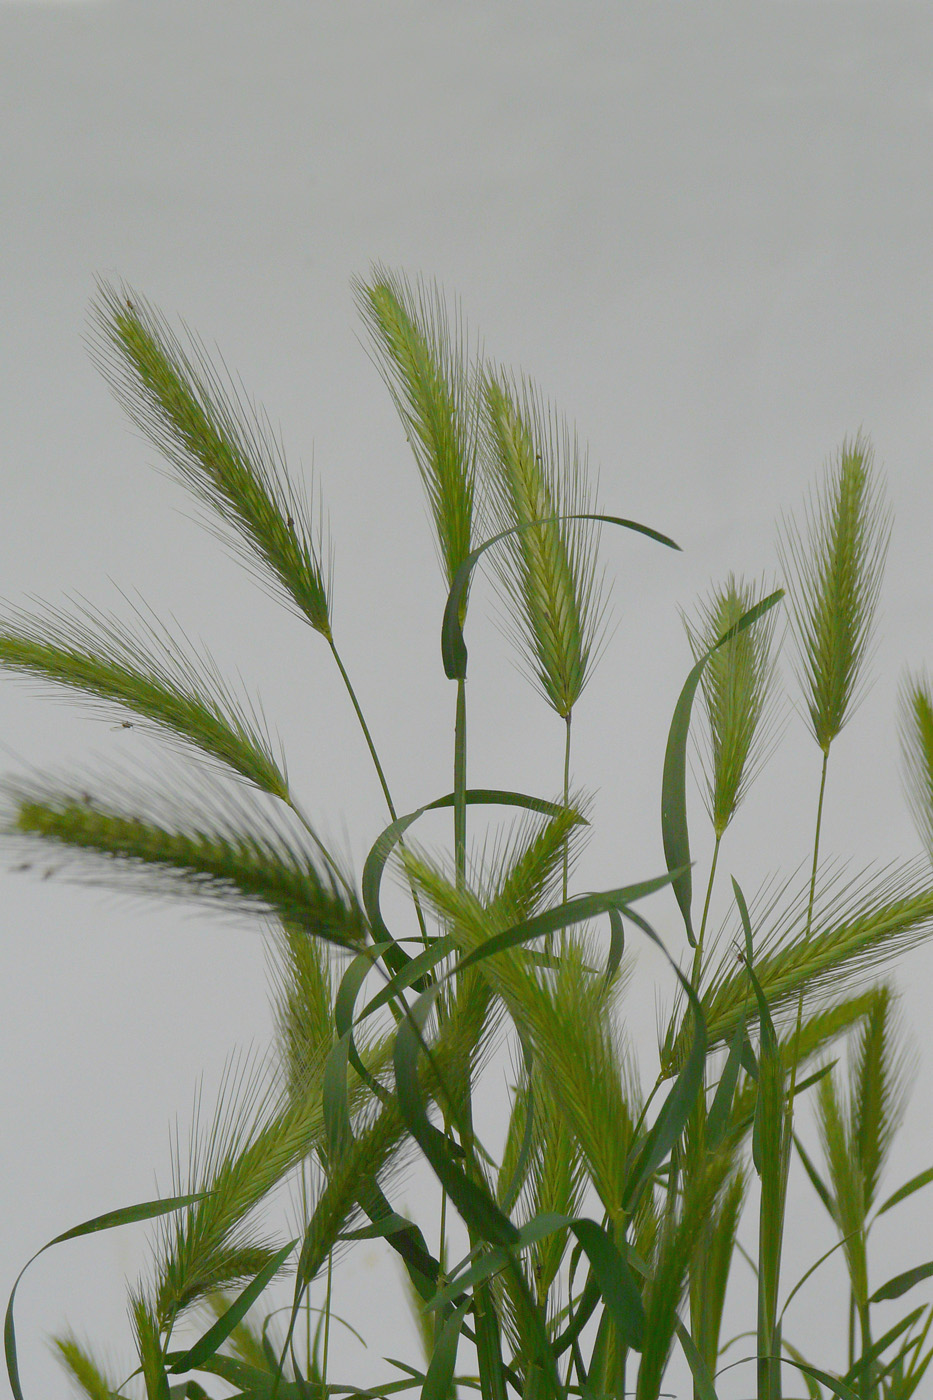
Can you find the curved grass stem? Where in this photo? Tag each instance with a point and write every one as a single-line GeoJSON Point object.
{"type": "Point", "coordinates": [383, 783]}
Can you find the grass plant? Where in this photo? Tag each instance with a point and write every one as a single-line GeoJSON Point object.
{"type": "Point", "coordinates": [603, 1225]}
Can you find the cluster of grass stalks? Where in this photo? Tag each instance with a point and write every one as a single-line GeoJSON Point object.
{"type": "Point", "coordinates": [600, 1229]}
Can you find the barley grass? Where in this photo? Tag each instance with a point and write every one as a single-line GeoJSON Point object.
{"type": "Point", "coordinates": [604, 1220]}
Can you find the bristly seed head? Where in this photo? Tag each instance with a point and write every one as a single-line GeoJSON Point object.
{"type": "Point", "coordinates": [738, 690]}
{"type": "Point", "coordinates": [834, 565]}
{"type": "Point", "coordinates": [536, 478]}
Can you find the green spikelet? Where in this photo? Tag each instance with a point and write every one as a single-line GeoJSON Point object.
{"type": "Point", "coordinates": [738, 687]}
{"type": "Point", "coordinates": [224, 451]}
{"type": "Point", "coordinates": [424, 360]}
{"type": "Point", "coordinates": [834, 566]}
{"type": "Point", "coordinates": [535, 473]}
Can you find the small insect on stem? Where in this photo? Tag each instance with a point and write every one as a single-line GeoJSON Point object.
{"type": "Point", "coordinates": [124, 724]}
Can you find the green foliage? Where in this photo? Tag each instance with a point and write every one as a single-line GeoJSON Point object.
{"type": "Point", "coordinates": [385, 1035]}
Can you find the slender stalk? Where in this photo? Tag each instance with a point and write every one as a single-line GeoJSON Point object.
{"type": "Point", "coordinates": [789, 1120]}
{"type": "Point", "coordinates": [698, 952]}
{"type": "Point", "coordinates": [773, 1366]}
{"type": "Point", "coordinates": [567, 721]}
{"type": "Point", "coordinates": [816, 843]}
{"type": "Point", "coordinates": [460, 745]}
{"type": "Point", "coordinates": [365, 728]}
{"type": "Point", "coordinates": [330, 1274]}
{"type": "Point", "coordinates": [442, 1232]}
{"type": "Point", "coordinates": [379, 772]}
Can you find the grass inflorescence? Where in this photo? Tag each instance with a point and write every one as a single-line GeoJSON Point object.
{"type": "Point", "coordinates": [580, 1247]}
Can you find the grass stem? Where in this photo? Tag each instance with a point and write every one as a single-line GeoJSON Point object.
{"type": "Point", "coordinates": [460, 751]}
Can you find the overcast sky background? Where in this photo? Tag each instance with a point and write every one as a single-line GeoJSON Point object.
{"type": "Point", "coordinates": [705, 230]}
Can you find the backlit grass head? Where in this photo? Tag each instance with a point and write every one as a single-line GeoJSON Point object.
{"type": "Point", "coordinates": [834, 564]}
{"type": "Point", "coordinates": [738, 691]}
{"type": "Point", "coordinates": [536, 471]}
{"type": "Point", "coordinates": [423, 356]}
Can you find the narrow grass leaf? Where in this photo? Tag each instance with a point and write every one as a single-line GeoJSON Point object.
{"type": "Point", "coordinates": [914, 1184]}
{"type": "Point", "coordinates": [679, 1104]}
{"type": "Point", "coordinates": [837, 1386]}
{"type": "Point", "coordinates": [573, 911]}
{"type": "Point", "coordinates": [350, 985]}
{"type": "Point", "coordinates": [702, 1380]}
{"type": "Point", "coordinates": [253, 1384]}
{"type": "Point", "coordinates": [453, 644]}
{"type": "Point", "coordinates": [819, 1185]}
{"type": "Point", "coordinates": [901, 1283]}
{"type": "Point", "coordinates": [396, 958]}
{"type": "Point", "coordinates": [126, 1215]}
{"type": "Point", "coordinates": [721, 1107]}
{"type": "Point", "coordinates": [616, 945]}
{"type": "Point", "coordinates": [215, 1336]}
{"type": "Point", "coordinates": [335, 1101]}
{"type": "Point", "coordinates": [857, 1374]}
{"type": "Point", "coordinates": [440, 1374]}
{"type": "Point", "coordinates": [494, 1260]}
{"type": "Point", "coordinates": [674, 832]}
{"type": "Point", "coordinates": [390, 1225]}
{"type": "Point", "coordinates": [405, 1238]}
{"type": "Point", "coordinates": [414, 974]}
{"type": "Point", "coordinates": [473, 1202]}
{"type": "Point", "coordinates": [615, 1280]}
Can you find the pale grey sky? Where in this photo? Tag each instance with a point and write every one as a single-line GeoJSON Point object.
{"type": "Point", "coordinates": [704, 230]}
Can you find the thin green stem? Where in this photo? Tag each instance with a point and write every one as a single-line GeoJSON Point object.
{"type": "Point", "coordinates": [460, 745]}
{"type": "Point", "coordinates": [774, 1368]}
{"type": "Point", "coordinates": [330, 1274]}
{"type": "Point", "coordinates": [816, 843]}
{"type": "Point", "coordinates": [379, 772]}
{"type": "Point", "coordinates": [443, 1231]}
{"type": "Point", "coordinates": [365, 728]}
{"type": "Point", "coordinates": [567, 800]}
{"type": "Point", "coordinates": [789, 1121]}
{"type": "Point", "coordinates": [698, 952]}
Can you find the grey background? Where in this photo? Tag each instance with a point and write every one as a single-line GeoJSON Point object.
{"type": "Point", "coordinates": [704, 230]}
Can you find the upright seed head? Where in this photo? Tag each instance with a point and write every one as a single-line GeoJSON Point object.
{"type": "Point", "coordinates": [423, 356]}
{"type": "Point", "coordinates": [738, 691]}
{"type": "Point", "coordinates": [536, 473]}
{"type": "Point", "coordinates": [834, 565]}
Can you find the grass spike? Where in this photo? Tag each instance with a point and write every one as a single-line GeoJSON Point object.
{"type": "Point", "coordinates": [231, 853]}
{"type": "Point", "coordinates": [834, 564]}
{"type": "Point", "coordinates": [535, 470]}
{"type": "Point", "coordinates": [222, 449]}
{"type": "Point", "coordinates": [423, 356]}
{"type": "Point", "coordinates": [153, 675]}
{"type": "Point", "coordinates": [85, 1371]}
{"type": "Point", "coordinates": [738, 692]}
